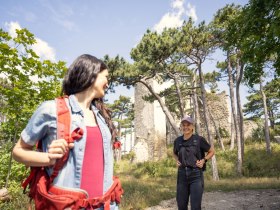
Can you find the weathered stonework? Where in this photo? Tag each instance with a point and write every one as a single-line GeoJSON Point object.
{"type": "Point", "coordinates": [153, 132]}
{"type": "Point", "coordinates": [219, 111]}
{"type": "Point", "coordinates": [249, 127]}
{"type": "Point", "coordinates": [150, 127]}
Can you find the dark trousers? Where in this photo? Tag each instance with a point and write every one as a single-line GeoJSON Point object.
{"type": "Point", "coordinates": [190, 183]}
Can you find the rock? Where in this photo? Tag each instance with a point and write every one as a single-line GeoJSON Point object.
{"type": "Point", "coordinates": [4, 195]}
{"type": "Point", "coordinates": [277, 139]}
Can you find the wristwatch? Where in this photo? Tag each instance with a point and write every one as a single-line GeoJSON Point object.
{"type": "Point", "coordinates": [205, 160]}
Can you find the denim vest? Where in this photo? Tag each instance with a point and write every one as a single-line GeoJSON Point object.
{"type": "Point", "coordinates": [42, 125]}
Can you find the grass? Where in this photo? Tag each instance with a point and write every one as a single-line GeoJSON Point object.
{"type": "Point", "coordinates": [242, 184]}
{"type": "Point", "coordinates": [148, 183]}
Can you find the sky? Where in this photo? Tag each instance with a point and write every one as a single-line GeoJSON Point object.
{"type": "Point", "coordinates": [65, 29]}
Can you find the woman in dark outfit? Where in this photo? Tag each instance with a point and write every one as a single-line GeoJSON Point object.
{"type": "Point", "coordinates": [189, 152]}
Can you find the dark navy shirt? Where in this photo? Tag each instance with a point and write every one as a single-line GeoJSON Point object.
{"type": "Point", "coordinates": [190, 150]}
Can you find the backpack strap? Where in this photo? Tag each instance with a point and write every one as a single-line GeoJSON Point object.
{"type": "Point", "coordinates": [63, 132]}
{"type": "Point", "coordinates": [197, 139]}
{"type": "Point", "coordinates": [200, 154]}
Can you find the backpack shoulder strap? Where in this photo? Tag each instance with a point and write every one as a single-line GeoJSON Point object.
{"type": "Point", "coordinates": [198, 138]}
{"type": "Point", "coordinates": [200, 153]}
{"type": "Point", "coordinates": [63, 119]}
{"type": "Point", "coordinates": [63, 132]}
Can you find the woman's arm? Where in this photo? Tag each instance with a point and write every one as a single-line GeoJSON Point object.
{"type": "Point", "coordinates": [176, 159]}
{"type": "Point", "coordinates": [209, 155]}
{"type": "Point", "coordinates": [25, 154]}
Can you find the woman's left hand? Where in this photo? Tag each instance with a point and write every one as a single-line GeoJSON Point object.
{"type": "Point", "coordinates": [200, 163]}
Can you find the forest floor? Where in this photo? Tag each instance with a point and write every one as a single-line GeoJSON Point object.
{"type": "Point", "coordinates": [266, 199]}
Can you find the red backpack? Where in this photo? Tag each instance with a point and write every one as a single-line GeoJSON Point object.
{"type": "Point", "coordinates": [49, 197]}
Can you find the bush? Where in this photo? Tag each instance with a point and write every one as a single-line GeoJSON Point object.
{"type": "Point", "coordinates": [275, 132]}
{"type": "Point", "coordinates": [258, 134]}
{"type": "Point", "coordinates": [18, 173]}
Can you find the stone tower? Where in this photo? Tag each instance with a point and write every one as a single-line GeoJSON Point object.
{"type": "Point", "coordinates": [150, 126]}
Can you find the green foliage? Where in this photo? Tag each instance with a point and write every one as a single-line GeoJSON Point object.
{"type": "Point", "coordinates": [19, 201]}
{"type": "Point", "coordinates": [118, 72]}
{"type": "Point", "coordinates": [258, 164]}
{"type": "Point", "coordinates": [18, 171]}
{"type": "Point", "coordinates": [144, 179]}
{"type": "Point", "coordinates": [122, 111]}
{"type": "Point", "coordinates": [224, 25]}
{"type": "Point", "coordinates": [155, 169]}
{"type": "Point", "coordinates": [223, 132]}
{"type": "Point", "coordinates": [276, 130]}
{"type": "Point", "coordinates": [254, 106]}
{"type": "Point", "coordinates": [130, 156]}
{"type": "Point", "coordinates": [260, 34]}
{"type": "Point", "coordinates": [146, 184]}
{"type": "Point", "coordinates": [27, 80]}
{"type": "Point", "coordinates": [143, 193]}
{"type": "Point", "coordinates": [258, 134]}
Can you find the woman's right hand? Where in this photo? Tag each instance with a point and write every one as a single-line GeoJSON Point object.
{"type": "Point", "coordinates": [57, 149]}
{"type": "Point", "coordinates": [25, 153]}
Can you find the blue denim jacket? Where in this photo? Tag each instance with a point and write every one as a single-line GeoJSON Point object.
{"type": "Point", "coordinates": [42, 125]}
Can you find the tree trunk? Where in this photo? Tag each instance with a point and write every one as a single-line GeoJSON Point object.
{"type": "Point", "coordinates": [10, 160]}
{"type": "Point", "coordinates": [164, 108]}
{"type": "Point", "coordinates": [131, 132]}
{"type": "Point", "coordinates": [181, 103]}
{"type": "Point", "coordinates": [271, 119]}
{"type": "Point", "coordinates": [232, 101]}
{"type": "Point", "coordinates": [266, 127]}
{"type": "Point", "coordinates": [207, 121]}
{"type": "Point", "coordinates": [232, 133]}
{"type": "Point", "coordinates": [239, 75]}
{"type": "Point", "coordinates": [196, 107]}
{"type": "Point", "coordinates": [217, 132]}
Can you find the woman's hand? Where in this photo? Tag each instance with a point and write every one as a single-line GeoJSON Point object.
{"type": "Point", "coordinates": [176, 159]}
{"type": "Point", "coordinates": [200, 163]}
{"type": "Point", "coordinates": [57, 149]}
{"type": "Point", "coordinates": [25, 153]}
{"type": "Point", "coordinates": [178, 163]}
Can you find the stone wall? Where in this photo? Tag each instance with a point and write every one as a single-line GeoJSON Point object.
{"type": "Point", "coordinates": [153, 132]}
{"type": "Point", "coordinates": [219, 113]}
{"type": "Point", "coordinates": [150, 127]}
{"type": "Point", "coordinates": [249, 127]}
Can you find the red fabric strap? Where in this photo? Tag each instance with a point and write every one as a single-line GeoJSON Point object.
{"type": "Point", "coordinates": [113, 194]}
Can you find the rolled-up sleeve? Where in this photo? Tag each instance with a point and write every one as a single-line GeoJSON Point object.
{"type": "Point", "coordinates": [38, 124]}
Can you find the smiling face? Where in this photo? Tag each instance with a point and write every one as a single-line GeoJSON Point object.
{"type": "Point", "coordinates": [101, 84]}
{"type": "Point", "coordinates": [85, 74]}
{"type": "Point", "coordinates": [187, 128]}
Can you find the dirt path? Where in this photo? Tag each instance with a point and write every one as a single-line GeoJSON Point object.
{"type": "Point", "coordinates": [236, 200]}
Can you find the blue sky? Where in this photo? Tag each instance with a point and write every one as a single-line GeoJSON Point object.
{"type": "Point", "coordinates": [66, 29]}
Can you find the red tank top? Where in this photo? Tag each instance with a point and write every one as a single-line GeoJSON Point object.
{"type": "Point", "coordinates": [93, 164]}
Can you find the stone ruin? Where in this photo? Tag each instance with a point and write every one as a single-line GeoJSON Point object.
{"type": "Point", "coordinates": [149, 126]}
{"type": "Point", "coordinates": [153, 132]}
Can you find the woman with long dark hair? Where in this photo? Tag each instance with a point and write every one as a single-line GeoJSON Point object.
{"type": "Point", "coordinates": [90, 163]}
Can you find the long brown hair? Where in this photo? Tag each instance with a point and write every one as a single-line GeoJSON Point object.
{"type": "Point", "coordinates": [81, 75]}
